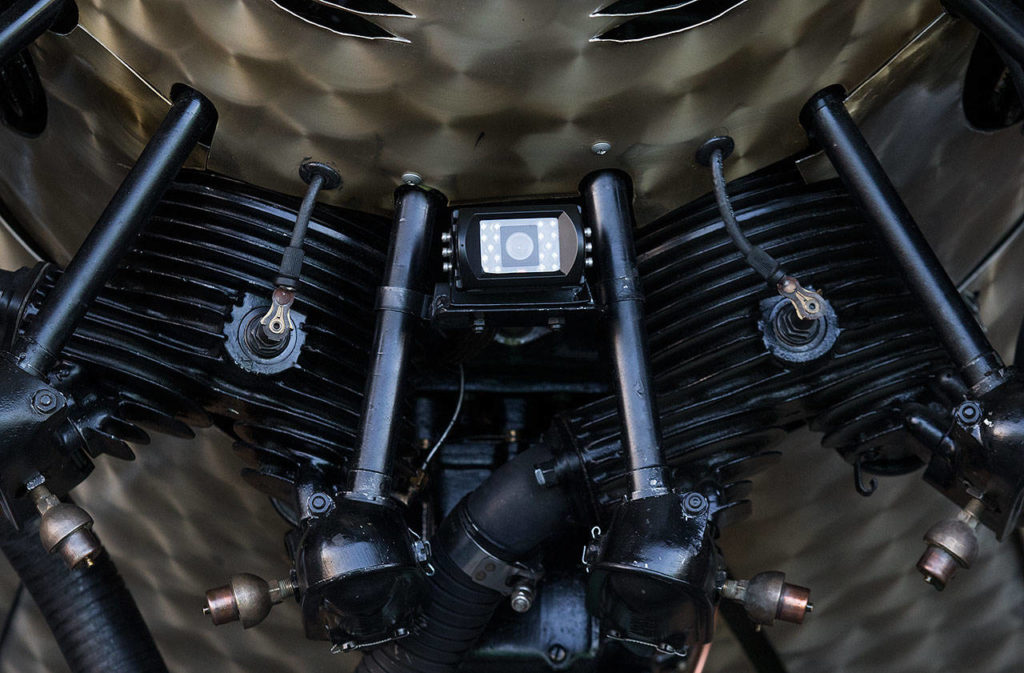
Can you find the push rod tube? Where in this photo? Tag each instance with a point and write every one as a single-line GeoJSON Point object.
{"type": "Point", "coordinates": [23, 22]}
{"type": "Point", "coordinates": [829, 124]}
{"type": "Point", "coordinates": [399, 307]}
{"type": "Point", "coordinates": [117, 228]}
{"type": "Point", "coordinates": [607, 208]}
{"type": "Point", "coordinates": [1001, 20]}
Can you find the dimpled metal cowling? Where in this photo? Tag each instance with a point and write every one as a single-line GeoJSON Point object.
{"type": "Point", "coordinates": [480, 99]}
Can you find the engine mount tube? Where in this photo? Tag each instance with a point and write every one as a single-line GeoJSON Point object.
{"type": "Point", "coordinates": [23, 22]}
{"type": "Point", "coordinates": [93, 616]}
{"type": "Point", "coordinates": [829, 124]}
{"type": "Point", "coordinates": [607, 208]}
{"type": "Point", "coordinates": [191, 115]}
{"type": "Point", "coordinates": [509, 515]}
{"type": "Point", "coordinates": [1001, 20]}
{"type": "Point", "coordinates": [399, 306]}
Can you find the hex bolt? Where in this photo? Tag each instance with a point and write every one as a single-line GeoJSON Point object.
{"type": "Point", "coordinates": [446, 267]}
{"type": "Point", "coordinates": [968, 413]}
{"type": "Point", "coordinates": [446, 237]}
{"type": "Point", "coordinates": [522, 597]}
{"type": "Point", "coordinates": [319, 503]}
{"type": "Point", "coordinates": [45, 401]}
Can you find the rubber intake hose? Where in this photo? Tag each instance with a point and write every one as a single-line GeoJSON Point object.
{"type": "Point", "coordinates": [93, 616]}
{"type": "Point", "coordinates": [511, 515]}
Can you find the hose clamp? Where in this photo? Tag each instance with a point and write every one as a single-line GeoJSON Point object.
{"type": "Point", "coordinates": [480, 565]}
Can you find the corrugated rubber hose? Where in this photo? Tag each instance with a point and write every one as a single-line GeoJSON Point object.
{"type": "Point", "coordinates": [512, 515]}
{"type": "Point", "coordinates": [93, 616]}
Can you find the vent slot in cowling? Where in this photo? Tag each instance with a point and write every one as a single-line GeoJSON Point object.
{"type": "Point", "coordinates": [657, 18]}
{"type": "Point", "coordinates": [347, 17]}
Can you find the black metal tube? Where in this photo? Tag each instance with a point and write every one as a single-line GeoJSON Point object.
{"type": "Point", "coordinates": [23, 22]}
{"type": "Point", "coordinates": [115, 231]}
{"type": "Point", "coordinates": [607, 197]}
{"type": "Point", "coordinates": [829, 124]}
{"type": "Point", "coordinates": [1001, 20]}
{"type": "Point", "coordinates": [406, 279]}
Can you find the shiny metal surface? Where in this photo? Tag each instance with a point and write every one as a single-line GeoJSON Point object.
{"type": "Point", "coordinates": [100, 117]}
{"type": "Point", "coordinates": [485, 100]}
{"type": "Point", "coordinates": [179, 519]}
{"type": "Point", "coordinates": [996, 288]}
{"type": "Point", "coordinates": [953, 178]}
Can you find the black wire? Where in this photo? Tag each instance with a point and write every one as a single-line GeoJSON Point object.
{"type": "Point", "coordinates": [9, 618]}
{"type": "Point", "coordinates": [725, 206]}
{"type": "Point", "coordinates": [305, 213]}
{"type": "Point", "coordinates": [758, 259]}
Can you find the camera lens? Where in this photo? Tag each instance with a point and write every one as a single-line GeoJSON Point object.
{"type": "Point", "coordinates": [519, 246]}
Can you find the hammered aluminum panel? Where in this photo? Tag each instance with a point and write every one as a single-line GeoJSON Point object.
{"type": "Point", "coordinates": [179, 520]}
{"type": "Point", "coordinates": [952, 176]}
{"type": "Point", "coordinates": [997, 289]}
{"type": "Point", "coordinates": [100, 117]}
{"type": "Point", "coordinates": [497, 98]}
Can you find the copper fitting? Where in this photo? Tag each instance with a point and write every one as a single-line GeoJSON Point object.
{"type": "Point", "coordinates": [248, 599]}
{"type": "Point", "coordinates": [65, 529]}
{"type": "Point", "coordinates": [952, 544]}
{"type": "Point", "coordinates": [767, 597]}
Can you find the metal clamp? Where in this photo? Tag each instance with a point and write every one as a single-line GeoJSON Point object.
{"type": "Point", "coordinates": [485, 568]}
{"type": "Point", "coordinates": [403, 300]}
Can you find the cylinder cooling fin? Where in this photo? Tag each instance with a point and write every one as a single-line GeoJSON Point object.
{"type": "Point", "coordinates": [724, 398]}
{"type": "Point", "coordinates": [170, 344]}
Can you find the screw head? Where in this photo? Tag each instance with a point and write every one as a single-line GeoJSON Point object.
{"type": "Point", "coordinates": [411, 178]}
{"type": "Point", "coordinates": [557, 653]}
{"type": "Point", "coordinates": [695, 504]}
{"type": "Point", "coordinates": [601, 148]}
{"type": "Point", "coordinates": [45, 402]}
{"type": "Point", "coordinates": [319, 503]}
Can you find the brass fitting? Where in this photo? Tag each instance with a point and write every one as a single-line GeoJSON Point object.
{"type": "Point", "coordinates": [66, 529]}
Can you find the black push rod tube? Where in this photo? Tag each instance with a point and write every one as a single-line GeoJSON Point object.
{"type": "Point", "coordinates": [607, 208]}
{"type": "Point", "coordinates": [23, 22]}
{"type": "Point", "coordinates": [1001, 20]}
{"type": "Point", "coordinates": [117, 228]}
{"type": "Point", "coordinates": [829, 124]}
{"type": "Point", "coordinates": [399, 307]}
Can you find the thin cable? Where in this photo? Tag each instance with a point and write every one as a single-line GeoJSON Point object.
{"type": "Point", "coordinates": [451, 423]}
{"type": "Point", "coordinates": [305, 213]}
{"type": "Point", "coordinates": [725, 206]}
{"type": "Point", "coordinates": [759, 260]}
